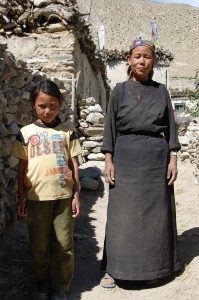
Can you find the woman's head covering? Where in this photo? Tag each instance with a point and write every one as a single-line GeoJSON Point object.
{"type": "Point", "coordinates": [139, 42]}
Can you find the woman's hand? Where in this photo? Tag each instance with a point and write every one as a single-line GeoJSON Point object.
{"type": "Point", "coordinates": [109, 169]}
{"type": "Point", "coordinates": [172, 171]}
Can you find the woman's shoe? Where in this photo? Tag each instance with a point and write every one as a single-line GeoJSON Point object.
{"type": "Point", "coordinates": [107, 281]}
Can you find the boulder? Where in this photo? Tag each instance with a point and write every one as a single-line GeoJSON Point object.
{"type": "Point", "coordinates": [95, 118]}
{"type": "Point", "coordinates": [96, 156]}
{"type": "Point", "coordinates": [89, 183]}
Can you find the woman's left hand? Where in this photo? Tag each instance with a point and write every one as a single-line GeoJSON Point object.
{"type": "Point", "coordinates": [172, 171]}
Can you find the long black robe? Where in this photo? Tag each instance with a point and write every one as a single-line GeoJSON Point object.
{"type": "Point", "coordinates": [140, 241]}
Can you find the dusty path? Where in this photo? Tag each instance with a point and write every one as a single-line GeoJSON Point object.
{"type": "Point", "coordinates": [16, 281]}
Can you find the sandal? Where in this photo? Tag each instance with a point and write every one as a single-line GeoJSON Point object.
{"type": "Point", "coordinates": [107, 281]}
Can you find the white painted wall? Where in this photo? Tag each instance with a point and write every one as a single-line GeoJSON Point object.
{"type": "Point", "coordinates": [116, 72]}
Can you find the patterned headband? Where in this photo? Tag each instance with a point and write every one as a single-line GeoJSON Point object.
{"type": "Point", "coordinates": [139, 42]}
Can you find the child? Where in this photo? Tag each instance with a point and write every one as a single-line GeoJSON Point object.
{"type": "Point", "coordinates": [48, 191]}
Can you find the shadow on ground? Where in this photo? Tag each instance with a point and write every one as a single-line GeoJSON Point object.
{"type": "Point", "coordinates": [16, 278]}
{"type": "Point", "coordinates": [189, 244]}
{"type": "Point", "coordinates": [87, 267]}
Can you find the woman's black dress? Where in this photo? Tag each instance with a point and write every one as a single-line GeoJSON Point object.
{"type": "Point", "coordinates": [140, 241]}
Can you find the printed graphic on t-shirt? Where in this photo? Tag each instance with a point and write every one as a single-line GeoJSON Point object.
{"type": "Point", "coordinates": [41, 143]}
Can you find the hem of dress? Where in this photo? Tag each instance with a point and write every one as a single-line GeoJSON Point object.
{"type": "Point", "coordinates": [146, 276]}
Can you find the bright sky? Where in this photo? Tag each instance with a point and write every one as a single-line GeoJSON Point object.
{"type": "Point", "coordinates": [190, 2]}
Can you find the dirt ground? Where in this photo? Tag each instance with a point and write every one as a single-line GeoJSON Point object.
{"type": "Point", "coordinates": [17, 282]}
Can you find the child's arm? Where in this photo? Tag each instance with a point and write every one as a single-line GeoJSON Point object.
{"type": "Point", "coordinates": [73, 165]}
{"type": "Point", "coordinates": [21, 188]}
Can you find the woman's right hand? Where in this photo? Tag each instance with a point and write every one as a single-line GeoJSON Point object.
{"type": "Point", "coordinates": [110, 173]}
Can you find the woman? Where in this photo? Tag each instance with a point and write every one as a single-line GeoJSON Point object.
{"type": "Point", "coordinates": [140, 146]}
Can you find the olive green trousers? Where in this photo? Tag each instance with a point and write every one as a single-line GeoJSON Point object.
{"type": "Point", "coordinates": [50, 226]}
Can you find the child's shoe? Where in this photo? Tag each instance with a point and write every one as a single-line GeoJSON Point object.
{"type": "Point", "coordinates": [41, 295]}
{"type": "Point", "coordinates": [58, 295]}
{"type": "Point", "coordinates": [42, 292]}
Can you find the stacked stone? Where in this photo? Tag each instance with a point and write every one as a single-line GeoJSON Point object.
{"type": "Point", "coordinates": [91, 128]}
{"type": "Point", "coordinates": [190, 145]}
{"type": "Point", "coordinates": [38, 16]}
{"type": "Point", "coordinates": [16, 82]}
{"type": "Point", "coordinates": [19, 16]}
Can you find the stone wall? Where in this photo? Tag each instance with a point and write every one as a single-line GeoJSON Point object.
{"type": "Point", "coordinates": [15, 82]}
{"type": "Point", "coordinates": [190, 145]}
{"type": "Point", "coordinates": [91, 129]}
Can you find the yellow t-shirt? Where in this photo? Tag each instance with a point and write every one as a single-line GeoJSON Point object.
{"type": "Point", "coordinates": [48, 150]}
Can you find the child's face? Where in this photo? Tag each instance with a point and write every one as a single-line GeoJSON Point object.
{"type": "Point", "coordinates": [47, 108]}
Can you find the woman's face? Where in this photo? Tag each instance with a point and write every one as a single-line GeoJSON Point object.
{"type": "Point", "coordinates": [141, 62]}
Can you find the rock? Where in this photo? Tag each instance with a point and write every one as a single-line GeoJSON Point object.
{"type": "Point", "coordinates": [12, 108]}
{"type": "Point", "coordinates": [184, 155]}
{"type": "Point", "coordinates": [10, 118]}
{"type": "Point", "coordinates": [96, 156]}
{"type": "Point", "coordinates": [96, 150]}
{"type": "Point", "coordinates": [13, 161]}
{"type": "Point", "coordinates": [83, 124]}
{"type": "Point", "coordinates": [183, 140]}
{"type": "Point", "coordinates": [1, 164]}
{"type": "Point", "coordinates": [19, 82]}
{"type": "Point", "coordinates": [6, 147]}
{"type": "Point", "coordinates": [95, 108]}
{"type": "Point", "coordinates": [13, 129]}
{"type": "Point", "coordinates": [86, 111]}
{"type": "Point", "coordinates": [82, 102]}
{"type": "Point", "coordinates": [25, 95]}
{"type": "Point", "coordinates": [3, 42]}
{"type": "Point", "coordinates": [95, 138]}
{"type": "Point", "coordinates": [95, 118]}
{"type": "Point", "coordinates": [184, 149]}
{"type": "Point", "coordinates": [191, 151]}
{"type": "Point", "coordinates": [56, 27]}
{"type": "Point", "coordinates": [91, 172]}
{"type": "Point", "coordinates": [91, 144]}
{"type": "Point", "coordinates": [1, 110]}
{"type": "Point", "coordinates": [89, 183]}
{"type": "Point", "coordinates": [90, 101]}
{"type": "Point", "coordinates": [193, 127]}
{"type": "Point", "coordinates": [13, 72]}
{"type": "Point", "coordinates": [39, 3]}
{"type": "Point", "coordinates": [3, 130]}
{"type": "Point", "coordinates": [85, 153]}
{"type": "Point", "coordinates": [91, 131]}
{"type": "Point", "coordinates": [82, 138]}
{"type": "Point", "coordinates": [83, 115]}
